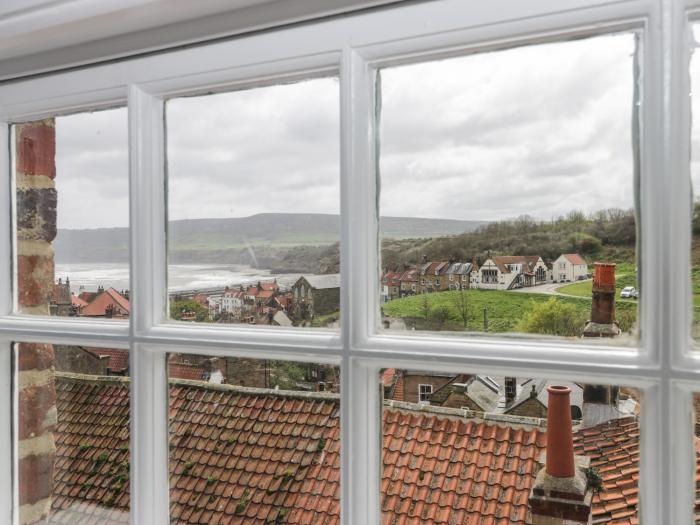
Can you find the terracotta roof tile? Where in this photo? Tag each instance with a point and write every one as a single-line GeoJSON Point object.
{"type": "Point", "coordinates": [253, 456]}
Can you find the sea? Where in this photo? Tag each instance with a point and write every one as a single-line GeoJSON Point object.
{"type": "Point", "coordinates": [181, 277]}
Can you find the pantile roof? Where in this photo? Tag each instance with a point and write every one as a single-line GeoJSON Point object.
{"type": "Point", "coordinates": [185, 371]}
{"type": "Point", "coordinates": [528, 262]}
{"type": "Point", "coordinates": [246, 455]}
{"type": "Point", "coordinates": [118, 358]}
{"type": "Point", "coordinates": [77, 301]}
{"type": "Point", "coordinates": [574, 258]}
{"type": "Point", "coordinates": [109, 297]}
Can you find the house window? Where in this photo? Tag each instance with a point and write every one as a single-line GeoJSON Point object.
{"type": "Point", "coordinates": [424, 393]}
{"type": "Point", "coordinates": [602, 153]}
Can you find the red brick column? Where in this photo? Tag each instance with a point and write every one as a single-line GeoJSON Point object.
{"type": "Point", "coordinates": [36, 229]}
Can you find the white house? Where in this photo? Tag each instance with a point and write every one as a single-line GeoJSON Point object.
{"type": "Point", "coordinates": [510, 271]}
{"type": "Point", "coordinates": [569, 267]}
{"type": "Point", "coordinates": [232, 302]}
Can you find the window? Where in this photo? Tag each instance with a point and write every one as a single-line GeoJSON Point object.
{"type": "Point", "coordinates": [435, 126]}
{"type": "Point", "coordinates": [424, 392]}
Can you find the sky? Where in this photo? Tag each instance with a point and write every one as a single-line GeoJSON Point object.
{"type": "Point", "coordinates": [537, 130]}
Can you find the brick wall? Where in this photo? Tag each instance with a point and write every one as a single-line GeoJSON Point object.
{"type": "Point", "coordinates": [36, 229]}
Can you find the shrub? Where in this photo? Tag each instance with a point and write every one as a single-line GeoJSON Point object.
{"type": "Point", "coordinates": [552, 318]}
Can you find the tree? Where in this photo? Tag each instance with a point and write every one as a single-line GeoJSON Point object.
{"type": "Point", "coordinates": [425, 307]}
{"type": "Point", "coordinates": [553, 317]}
{"type": "Point", "coordinates": [460, 302]}
{"type": "Point", "coordinates": [180, 308]}
{"type": "Point", "coordinates": [439, 315]}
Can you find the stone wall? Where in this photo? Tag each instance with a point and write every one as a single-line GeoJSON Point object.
{"type": "Point", "coordinates": [326, 300]}
{"type": "Point", "coordinates": [78, 360]}
{"type": "Point", "coordinates": [36, 229]}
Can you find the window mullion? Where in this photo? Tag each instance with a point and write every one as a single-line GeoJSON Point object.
{"type": "Point", "coordinates": [149, 438]}
{"type": "Point", "coordinates": [147, 204]}
{"type": "Point", "coordinates": [5, 221]}
{"type": "Point", "coordinates": [9, 500]}
{"type": "Point", "coordinates": [149, 402]}
{"type": "Point", "coordinates": [360, 408]}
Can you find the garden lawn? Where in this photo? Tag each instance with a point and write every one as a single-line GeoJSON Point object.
{"type": "Point", "coordinates": [625, 275]}
{"type": "Point", "coordinates": [504, 308]}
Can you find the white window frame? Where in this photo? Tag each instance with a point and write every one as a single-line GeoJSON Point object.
{"type": "Point", "coordinates": [664, 367]}
{"type": "Point", "coordinates": [421, 386]}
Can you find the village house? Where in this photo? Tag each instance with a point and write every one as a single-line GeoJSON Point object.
{"type": "Point", "coordinates": [314, 295]}
{"type": "Point", "coordinates": [432, 276]}
{"type": "Point", "coordinates": [569, 267]}
{"type": "Point", "coordinates": [510, 271]}
{"type": "Point", "coordinates": [107, 303]}
{"type": "Point", "coordinates": [459, 275]}
{"type": "Point", "coordinates": [408, 283]}
{"type": "Point", "coordinates": [63, 302]}
{"type": "Point", "coordinates": [391, 286]}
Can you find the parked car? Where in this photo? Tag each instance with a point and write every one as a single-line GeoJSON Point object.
{"type": "Point", "coordinates": [628, 292]}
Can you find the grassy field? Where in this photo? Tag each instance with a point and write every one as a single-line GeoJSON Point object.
{"type": "Point", "coordinates": [625, 275]}
{"type": "Point", "coordinates": [504, 309]}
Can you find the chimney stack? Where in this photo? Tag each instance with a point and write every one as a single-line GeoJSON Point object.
{"type": "Point", "coordinates": [599, 404]}
{"type": "Point", "coordinates": [602, 322]}
{"type": "Point", "coordinates": [511, 389]}
{"type": "Point", "coordinates": [560, 494]}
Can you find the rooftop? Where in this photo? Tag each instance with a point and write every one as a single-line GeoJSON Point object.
{"type": "Point", "coordinates": [250, 455]}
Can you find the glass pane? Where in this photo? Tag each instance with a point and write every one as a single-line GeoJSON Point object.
{"type": "Point", "coordinates": [471, 448]}
{"type": "Point", "coordinates": [72, 215]}
{"type": "Point", "coordinates": [695, 176]}
{"type": "Point", "coordinates": [73, 434]}
{"type": "Point", "coordinates": [502, 181]}
{"type": "Point", "coordinates": [253, 441]}
{"type": "Point", "coordinates": [253, 204]}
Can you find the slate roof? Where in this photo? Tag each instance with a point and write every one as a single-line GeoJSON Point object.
{"type": "Point", "coordinates": [460, 268]}
{"type": "Point", "coordinates": [245, 455]}
{"type": "Point", "coordinates": [331, 280]}
{"type": "Point", "coordinates": [524, 392]}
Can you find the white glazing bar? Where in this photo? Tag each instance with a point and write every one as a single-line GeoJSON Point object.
{"type": "Point", "coordinates": [677, 182]}
{"type": "Point", "coordinates": [683, 455]}
{"type": "Point", "coordinates": [5, 221]}
{"type": "Point", "coordinates": [359, 402]}
{"type": "Point", "coordinates": [149, 438]}
{"type": "Point", "coordinates": [147, 205]}
{"type": "Point", "coordinates": [677, 259]}
{"type": "Point", "coordinates": [362, 444]}
{"type": "Point", "coordinates": [656, 474]}
{"type": "Point", "coordinates": [8, 486]}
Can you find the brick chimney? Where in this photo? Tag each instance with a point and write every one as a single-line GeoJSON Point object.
{"type": "Point", "coordinates": [602, 322]}
{"type": "Point", "coordinates": [36, 229]}
{"type": "Point", "coordinates": [560, 494]}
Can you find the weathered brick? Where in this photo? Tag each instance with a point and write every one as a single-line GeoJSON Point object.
{"type": "Point", "coordinates": [33, 356]}
{"type": "Point", "coordinates": [36, 214]}
{"type": "Point", "coordinates": [36, 148]}
{"type": "Point", "coordinates": [35, 475]}
{"type": "Point", "coordinates": [35, 410]}
{"type": "Point", "coordinates": [35, 275]}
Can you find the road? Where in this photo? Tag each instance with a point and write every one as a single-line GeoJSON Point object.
{"type": "Point", "coordinates": [547, 289]}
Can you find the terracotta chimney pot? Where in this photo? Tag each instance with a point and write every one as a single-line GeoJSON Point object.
{"type": "Point", "coordinates": [560, 440]}
{"type": "Point", "coordinates": [604, 276]}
